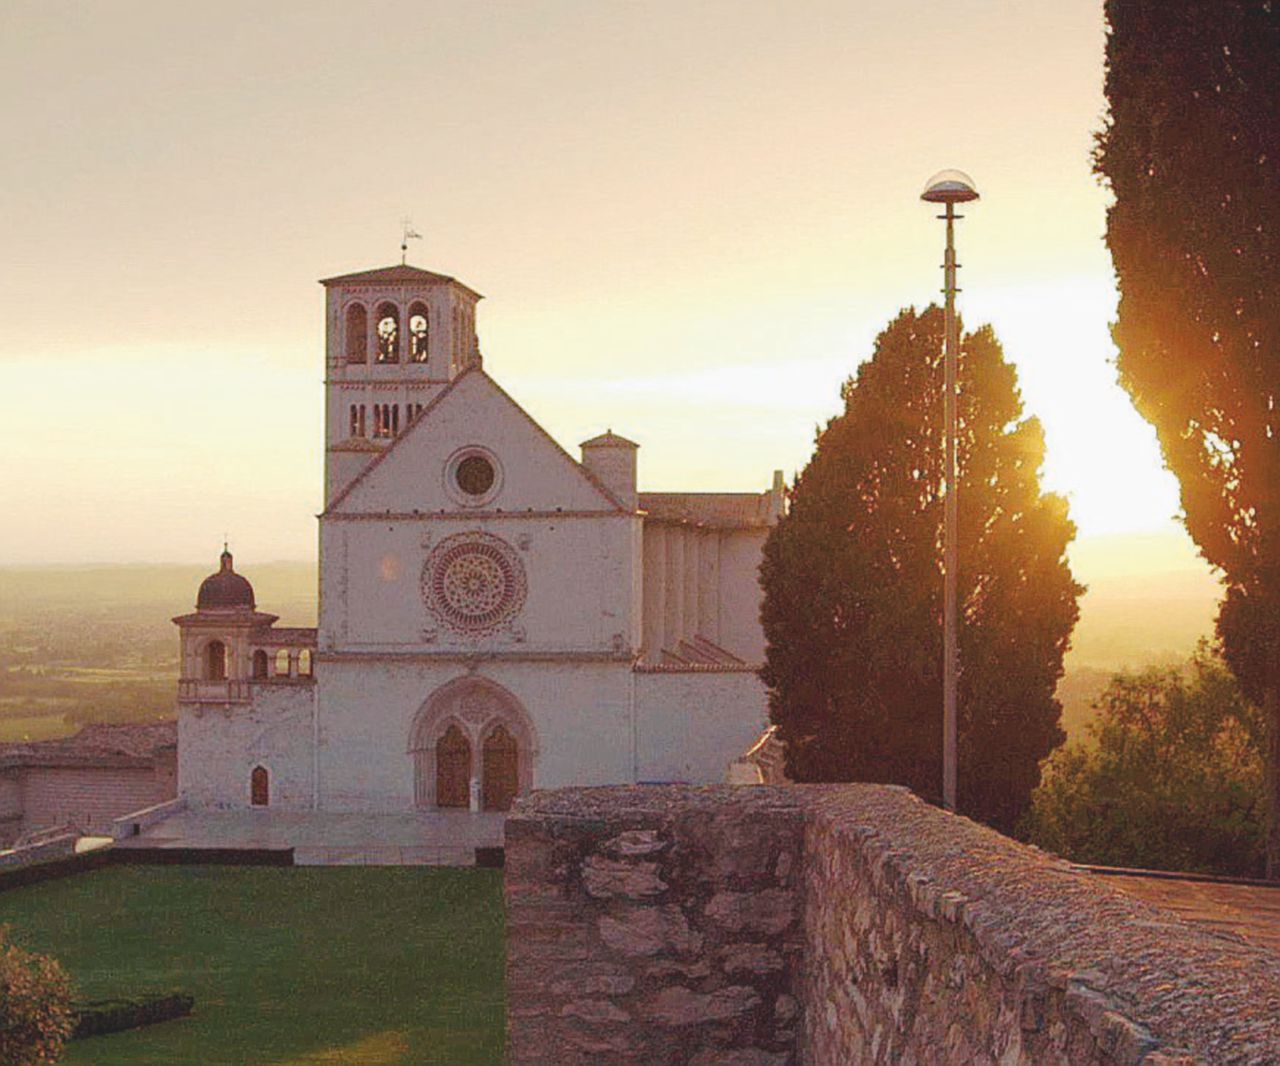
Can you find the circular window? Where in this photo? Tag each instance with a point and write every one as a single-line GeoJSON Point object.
{"type": "Point", "coordinates": [472, 476]}
{"type": "Point", "coordinates": [473, 582]}
{"type": "Point", "coordinates": [475, 475]}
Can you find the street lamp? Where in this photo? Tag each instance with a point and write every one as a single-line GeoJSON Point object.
{"type": "Point", "coordinates": [949, 187]}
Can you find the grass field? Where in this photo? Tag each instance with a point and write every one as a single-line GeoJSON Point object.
{"type": "Point", "coordinates": [302, 966]}
{"type": "Point", "coordinates": [34, 727]}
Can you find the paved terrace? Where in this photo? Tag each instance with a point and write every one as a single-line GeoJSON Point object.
{"type": "Point", "coordinates": [411, 838]}
{"type": "Point", "coordinates": [1247, 911]}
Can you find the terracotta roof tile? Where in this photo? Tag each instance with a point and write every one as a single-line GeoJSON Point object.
{"type": "Point", "coordinates": [715, 510]}
{"type": "Point", "coordinates": [99, 743]}
{"type": "Point", "coordinates": [398, 274]}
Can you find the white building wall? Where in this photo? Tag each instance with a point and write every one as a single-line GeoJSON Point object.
{"type": "Point", "coordinates": [702, 582]}
{"type": "Point", "coordinates": [580, 573]}
{"type": "Point", "coordinates": [691, 725]}
{"type": "Point", "coordinates": [89, 797]}
{"type": "Point", "coordinates": [218, 747]}
{"type": "Point", "coordinates": [580, 713]}
{"type": "Point", "coordinates": [739, 593]}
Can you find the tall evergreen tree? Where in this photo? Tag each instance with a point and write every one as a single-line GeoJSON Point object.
{"type": "Point", "coordinates": [1192, 153]}
{"type": "Point", "coordinates": [852, 581]}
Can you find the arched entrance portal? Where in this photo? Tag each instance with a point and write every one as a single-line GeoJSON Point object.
{"type": "Point", "coordinates": [471, 736]}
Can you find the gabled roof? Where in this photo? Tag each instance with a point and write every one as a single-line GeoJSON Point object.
{"type": "Point", "coordinates": [401, 274]}
{"type": "Point", "coordinates": [425, 414]}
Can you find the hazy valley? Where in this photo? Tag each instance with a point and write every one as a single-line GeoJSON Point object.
{"type": "Point", "coordinates": [95, 643]}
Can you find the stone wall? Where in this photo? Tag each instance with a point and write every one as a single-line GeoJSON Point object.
{"type": "Point", "coordinates": [834, 925]}
{"type": "Point", "coordinates": [641, 932]}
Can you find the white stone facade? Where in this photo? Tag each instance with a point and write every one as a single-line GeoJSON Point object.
{"type": "Point", "coordinates": [494, 615]}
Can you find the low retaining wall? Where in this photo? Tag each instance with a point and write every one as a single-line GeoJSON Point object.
{"type": "Point", "coordinates": [59, 847]}
{"type": "Point", "coordinates": [833, 925]}
{"type": "Point", "coordinates": [130, 825]}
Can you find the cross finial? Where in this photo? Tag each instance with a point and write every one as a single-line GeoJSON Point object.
{"type": "Point", "coordinates": [407, 234]}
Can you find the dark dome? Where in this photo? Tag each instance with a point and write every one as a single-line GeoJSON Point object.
{"type": "Point", "coordinates": [224, 589]}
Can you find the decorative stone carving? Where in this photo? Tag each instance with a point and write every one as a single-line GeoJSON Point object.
{"type": "Point", "coordinates": [474, 583]}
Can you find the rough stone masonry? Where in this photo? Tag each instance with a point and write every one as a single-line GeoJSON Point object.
{"type": "Point", "coordinates": [834, 925]}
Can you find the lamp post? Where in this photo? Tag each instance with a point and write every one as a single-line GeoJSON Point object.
{"type": "Point", "coordinates": [949, 187]}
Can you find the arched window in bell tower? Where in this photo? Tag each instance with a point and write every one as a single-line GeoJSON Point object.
{"type": "Point", "coordinates": [388, 333]}
{"type": "Point", "coordinates": [357, 334]}
{"type": "Point", "coordinates": [419, 332]}
{"type": "Point", "coordinates": [215, 661]}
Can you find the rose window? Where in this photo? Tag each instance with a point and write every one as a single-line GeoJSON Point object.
{"type": "Point", "coordinates": [473, 582]}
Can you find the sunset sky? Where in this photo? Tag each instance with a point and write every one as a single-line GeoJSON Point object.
{"type": "Point", "coordinates": [689, 222]}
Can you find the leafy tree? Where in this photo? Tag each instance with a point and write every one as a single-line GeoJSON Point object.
{"type": "Point", "coordinates": [852, 608]}
{"type": "Point", "coordinates": [1192, 153]}
{"type": "Point", "coordinates": [35, 1006]}
{"type": "Point", "coordinates": [1170, 777]}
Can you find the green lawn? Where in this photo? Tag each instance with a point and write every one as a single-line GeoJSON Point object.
{"type": "Point", "coordinates": [296, 965]}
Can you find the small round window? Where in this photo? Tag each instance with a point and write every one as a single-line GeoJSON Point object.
{"type": "Point", "coordinates": [475, 475]}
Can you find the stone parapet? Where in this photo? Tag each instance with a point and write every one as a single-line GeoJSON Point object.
{"type": "Point", "coordinates": [832, 925]}
{"type": "Point", "coordinates": [654, 925]}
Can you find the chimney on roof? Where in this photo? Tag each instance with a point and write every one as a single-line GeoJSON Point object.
{"type": "Point", "coordinates": [777, 496]}
{"type": "Point", "coordinates": [612, 461]}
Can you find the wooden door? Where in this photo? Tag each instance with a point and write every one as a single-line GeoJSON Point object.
{"type": "Point", "coordinates": [453, 769]}
{"type": "Point", "coordinates": [259, 787]}
{"type": "Point", "coordinates": [501, 770]}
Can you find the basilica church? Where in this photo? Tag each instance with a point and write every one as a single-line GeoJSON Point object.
{"type": "Point", "coordinates": [495, 614]}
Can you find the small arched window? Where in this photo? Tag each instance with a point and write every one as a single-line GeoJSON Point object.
{"type": "Point", "coordinates": [304, 662]}
{"type": "Point", "coordinates": [357, 336]}
{"type": "Point", "coordinates": [388, 334]}
{"type": "Point", "coordinates": [215, 661]}
{"type": "Point", "coordinates": [259, 664]}
{"type": "Point", "coordinates": [419, 332]}
{"type": "Point", "coordinates": [259, 787]}
{"type": "Point", "coordinates": [282, 662]}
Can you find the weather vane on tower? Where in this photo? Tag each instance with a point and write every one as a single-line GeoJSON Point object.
{"type": "Point", "coordinates": [408, 233]}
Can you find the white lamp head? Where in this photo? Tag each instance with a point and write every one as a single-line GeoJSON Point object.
{"type": "Point", "coordinates": [949, 187]}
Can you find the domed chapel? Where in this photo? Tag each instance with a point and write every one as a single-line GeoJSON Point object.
{"type": "Point", "coordinates": [494, 614]}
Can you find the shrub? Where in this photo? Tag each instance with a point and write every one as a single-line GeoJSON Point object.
{"type": "Point", "coordinates": [35, 1006]}
{"type": "Point", "coordinates": [132, 1012]}
{"type": "Point", "coordinates": [1171, 777]}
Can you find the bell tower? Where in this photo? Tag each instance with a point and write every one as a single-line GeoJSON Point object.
{"type": "Point", "coordinates": [393, 338]}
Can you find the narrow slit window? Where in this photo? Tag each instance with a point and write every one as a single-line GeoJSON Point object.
{"type": "Point", "coordinates": [357, 334]}
{"type": "Point", "coordinates": [259, 787]}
